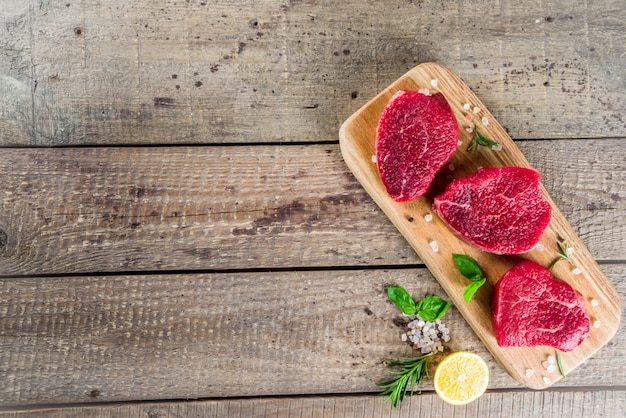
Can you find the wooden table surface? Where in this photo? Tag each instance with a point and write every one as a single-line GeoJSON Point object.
{"type": "Point", "coordinates": [179, 233]}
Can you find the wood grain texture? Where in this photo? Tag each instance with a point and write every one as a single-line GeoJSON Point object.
{"type": "Point", "coordinates": [358, 145]}
{"type": "Point", "coordinates": [149, 337]}
{"type": "Point", "coordinates": [194, 208]}
{"type": "Point", "coordinates": [600, 403]}
{"type": "Point", "coordinates": [107, 72]}
{"type": "Point", "coordinates": [111, 72]}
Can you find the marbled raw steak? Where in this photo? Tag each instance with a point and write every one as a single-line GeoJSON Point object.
{"type": "Point", "coordinates": [500, 210]}
{"type": "Point", "coordinates": [417, 134]}
{"type": "Point", "coordinates": [530, 307]}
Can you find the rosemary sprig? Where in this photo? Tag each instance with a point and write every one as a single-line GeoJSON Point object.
{"type": "Point", "coordinates": [480, 141]}
{"type": "Point", "coordinates": [559, 364]}
{"type": "Point", "coordinates": [562, 254]}
{"type": "Point", "coordinates": [412, 372]}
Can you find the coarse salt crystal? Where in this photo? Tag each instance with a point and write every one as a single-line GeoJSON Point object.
{"type": "Point", "coordinates": [497, 147]}
{"type": "Point", "coordinates": [459, 143]}
{"type": "Point", "coordinates": [434, 245]}
{"type": "Point", "coordinates": [537, 20]}
{"type": "Point", "coordinates": [596, 323]}
{"type": "Point", "coordinates": [551, 368]}
{"type": "Point", "coordinates": [404, 337]}
{"type": "Point", "coordinates": [469, 130]}
{"type": "Point", "coordinates": [529, 372]}
{"type": "Point", "coordinates": [428, 217]}
{"type": "Point", "coordinates": [539, 247]}
{"type": "Point", "coordinates": [594, 302]}
{"type": "Point", "coordinates": [434, 82]}
{"type": "Point", "coordinates": [476, 109]}
{"type": "Point", "coordinates": [545, 364]}
{"type": "Point", "coordinates": [551, 360]}
{"type": "Point", "coordinates": [577, 271]}
{"type": "Point", "coordinates": [373, 158]}
{"type": "Point", "coordinates": [466, 106]}
{"type": "Point", "coordinates": [485, 121]}
{"type": "Point", "coordinates": [451, 167]}
{"type": "Point", "coordinates": [570, 250]}
{"type": "Point", "coordinates": [546, 380]}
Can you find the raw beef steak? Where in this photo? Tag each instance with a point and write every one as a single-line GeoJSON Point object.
{"type": "Point", "coordinates": [530, 307]}
{"type": "Point", "coordinates": [417, 134]}
{"type": "Point", "coordinates": [500, 210]}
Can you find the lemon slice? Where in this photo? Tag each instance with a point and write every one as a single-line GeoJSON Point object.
{"type": "Point", "coordinates": [461, 378]}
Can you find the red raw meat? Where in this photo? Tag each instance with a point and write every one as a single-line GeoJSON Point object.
{"type": "Point", "coordinates": [500, 210]}
{"type": "Point", "coordinates": [530, 307]}
{"type": "Point", "coordinates": [417, 134]}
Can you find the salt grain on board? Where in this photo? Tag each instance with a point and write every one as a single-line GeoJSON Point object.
{"type": "Point", "coordinates": [529, 372]}
{"type": "Point", "coordinates": [469, 130]}
{"type": "Point", "coordinates": [497, 147]}
{"type": "Point", "coordinates": [476, 109]}
{"type": "Point", "coordinates": [539, 247]}
{"type": "Point", "coordinates": [466, 106]}
{"type": "Point", "coordinates": [459, 143]}
{"type": "Point", "coordinates": [596, 323]}
{"type": "Point", "coordinates": [434, 245]}
{"type": "Point", "coordinates": [485, 121]}
{"type": "Point", "coordinates": [434, 82]}
{"type": "Point", "coordinates": [594, 302]}
{"type": "Point", "coordinates": [547, 380]}
{"type": "Point", "coordinates": [428, 217]}
{"type": "Point", "coordinates": [577, 271]}
{"type": "Point", "coordinates": [373, 158]}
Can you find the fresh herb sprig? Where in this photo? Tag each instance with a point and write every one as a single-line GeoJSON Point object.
{"type": "Point", "coordinates": [562, 254]}
{"type": "Point", "coordinates": [471, 270]}
{"type": "Point", "coordinates": [429, 309]}
{"type": "Point", "coordinates": [412, 372]}
{"type": "Point", "coordinates": [480, 141]}
{"type": "Point", "coordinates": [559, 364]}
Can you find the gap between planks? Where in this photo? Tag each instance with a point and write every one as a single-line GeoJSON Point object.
{"type": "Point", "coordinates": [603, 401]}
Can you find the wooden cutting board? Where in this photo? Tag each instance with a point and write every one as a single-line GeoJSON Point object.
{"type": "Point", "coordinates": [357, 139]}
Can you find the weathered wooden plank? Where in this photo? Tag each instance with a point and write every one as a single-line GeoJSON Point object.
{"type": "Point", "coordinates": [102, 72]}
{"type": "Point", "coordinates": [587, 403]}
{"type": "Point", "coordinates": [135, 209]}
{"type": "Point", "coordinates": [149, 337]}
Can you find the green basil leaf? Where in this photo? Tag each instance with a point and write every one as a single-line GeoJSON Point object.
{"type": "Point", "coordinates": [471, 289]}
{"type": "Point", "coordinates": [432, 308]}
{"type": "Point", "coordinates": [402, 299]}
{"type": "Point", "coordinates": [468, 267]}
